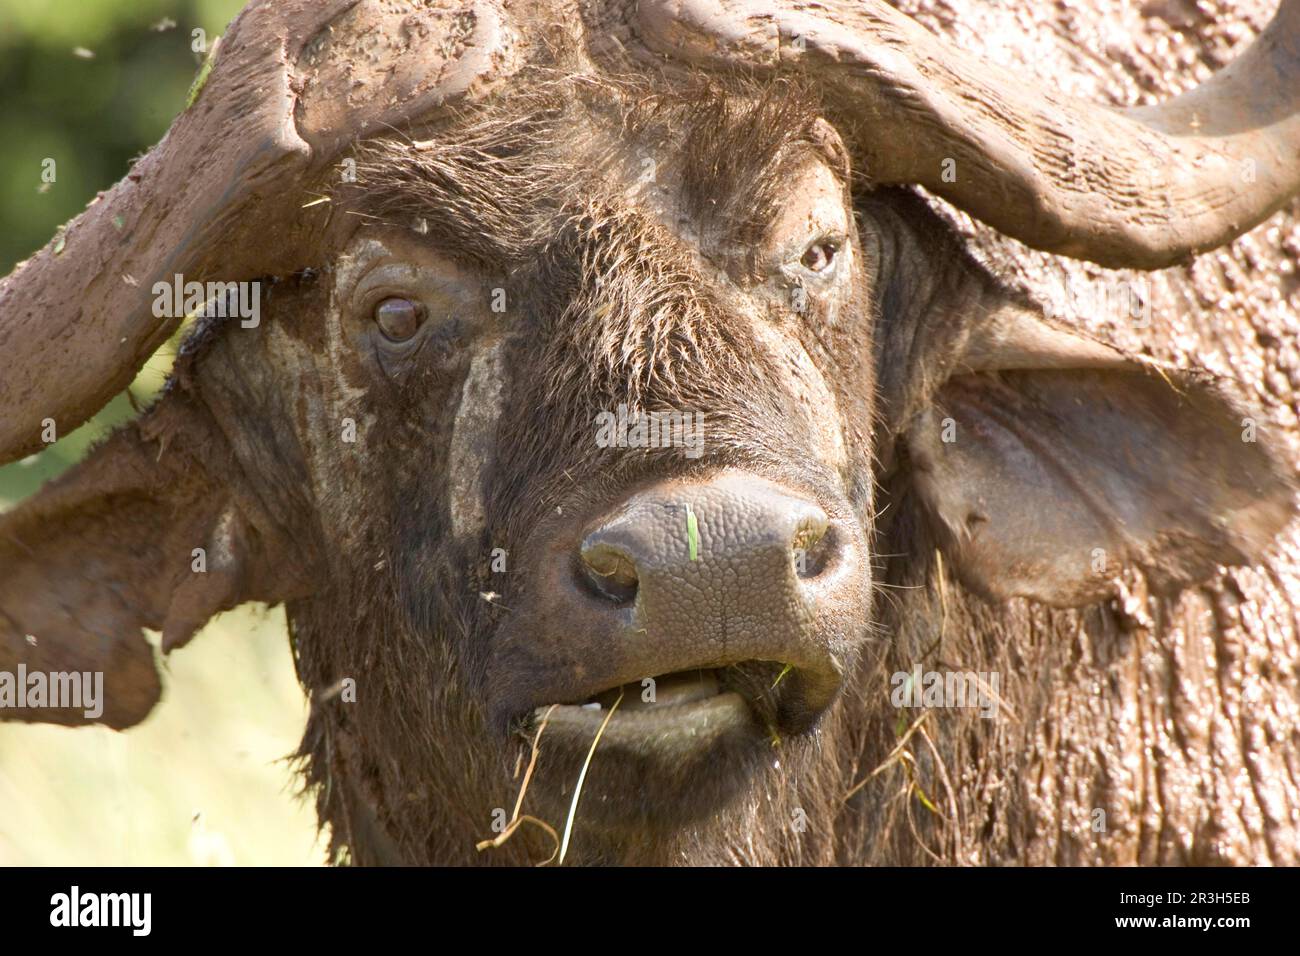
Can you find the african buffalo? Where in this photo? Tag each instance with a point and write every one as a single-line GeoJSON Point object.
{"type": "Point", "coordinates": [699, 431]}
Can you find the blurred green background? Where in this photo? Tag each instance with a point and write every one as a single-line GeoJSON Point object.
{"type": "Point", "coordinates": [91, 84]}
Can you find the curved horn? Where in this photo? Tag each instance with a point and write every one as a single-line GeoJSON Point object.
{"type": "Point", "coordinates": [1134, 188]}
{"type": "Point", "coordinates": [221, 196]}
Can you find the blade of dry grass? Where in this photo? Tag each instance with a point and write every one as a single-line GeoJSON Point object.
{"type": "Point", "coordinates": [573, 807]}
{"type": "Point", "coordinates": [516, 820]}
{"type": "Point", "coordinates": [893, 756]}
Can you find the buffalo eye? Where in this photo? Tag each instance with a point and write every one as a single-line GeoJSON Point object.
{"type": "Point", "coordinates": [398, 318]}
{"type": "Point", "coordinates": [819, 256]}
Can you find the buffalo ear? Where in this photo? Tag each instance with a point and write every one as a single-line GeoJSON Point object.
{"type": "Point", "coordinates": [109, 548]}
{"type": "Point", "coordinates": [1050, 461]}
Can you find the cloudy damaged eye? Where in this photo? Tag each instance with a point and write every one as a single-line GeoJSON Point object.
{"type": "Point", "coordinates": [398, 319]}
{"type": "Point", "coordinates": [820, 255]}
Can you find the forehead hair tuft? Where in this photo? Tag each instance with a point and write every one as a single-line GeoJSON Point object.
{"type": "Point", "coordinates": [493, 184]}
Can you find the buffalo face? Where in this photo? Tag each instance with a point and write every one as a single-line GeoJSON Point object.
{"type": "Point", "coordinates": [642, 410]}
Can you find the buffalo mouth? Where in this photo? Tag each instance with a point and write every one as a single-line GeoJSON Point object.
{"type": "Point", "coordinates": [691, 709]}
{"type": "Point", "coordinates": [656, 763]}
{"type": "Point", "coordinates": [669, 691]}
{"type": "Point", "coordinates": [680, 710]}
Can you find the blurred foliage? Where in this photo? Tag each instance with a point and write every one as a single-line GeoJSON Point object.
{"type": "Point", "coordinates": [92, 84]}
{"type": "Point", "coordinates": [202, 781]}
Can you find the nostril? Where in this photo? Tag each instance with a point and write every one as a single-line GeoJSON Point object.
{"type": "Point", "coordinates": [609, 572]}
{"type": "Point", "coordinates": [812, 546]}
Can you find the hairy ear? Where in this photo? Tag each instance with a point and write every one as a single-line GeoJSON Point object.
{"type": "Point", "coordinates": [146, 533]}
{"type": "Point", "coordinates": [1049, 462]}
